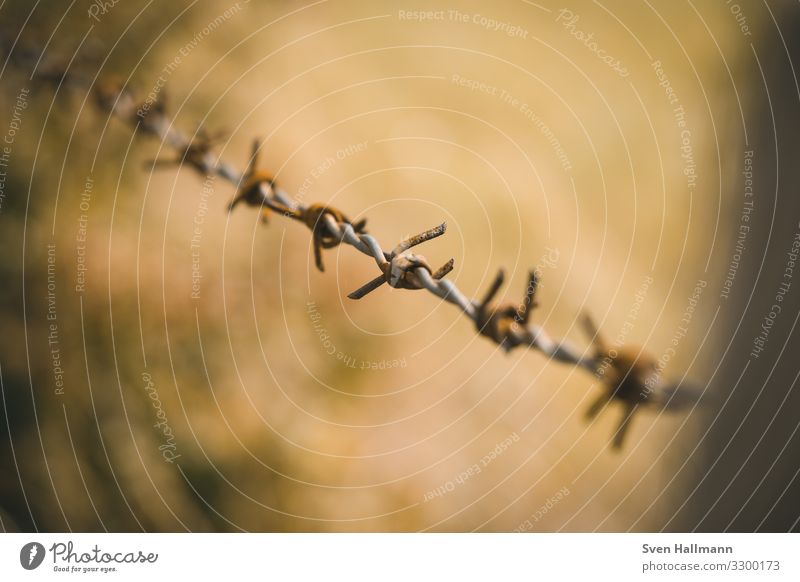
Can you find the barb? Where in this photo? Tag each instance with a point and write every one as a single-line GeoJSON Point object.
{"type": "Point", "coordinates": [256, 186]}
{"type": "Point", "coordinates": [627, 375]}
{"type": "Point", "coordinates": [319, 218]}
{"type": "Point", "coordinates": [508, 325]}
{"type": "Point", "coordinates": [631, 377]}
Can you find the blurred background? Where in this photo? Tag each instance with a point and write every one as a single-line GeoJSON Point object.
{"type": "Point", "coordinates": [167, 366]}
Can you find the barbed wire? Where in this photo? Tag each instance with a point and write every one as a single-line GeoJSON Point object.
{"type": "Point", "coordinates": [400, 268]}
{"type": "Point", "coordinates": [628, 375]}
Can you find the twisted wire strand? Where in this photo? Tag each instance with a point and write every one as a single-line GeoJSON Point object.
{"type": "Point", "coordinates": [154, 121]}
{"type": "Point", "coordinates": [626, 376]}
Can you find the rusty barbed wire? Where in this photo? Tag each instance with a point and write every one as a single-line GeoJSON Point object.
{"type": "Point", "coordinates": [330, 227]}
{"type": "Point", "coordinates": [628, 376]}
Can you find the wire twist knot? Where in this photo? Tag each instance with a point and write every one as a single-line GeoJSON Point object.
{"type": "Point", "coordinates": [402, 269]}
{"type": "Point", "coordinates": [506, 323]}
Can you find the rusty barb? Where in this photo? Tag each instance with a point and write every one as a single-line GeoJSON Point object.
{"type": "Point", "coordinates": [632, 377]}
{"type": "Point", "coordinates": [508, 325]}
{"type": "Point", "coordinates": [629, 376]}
{"type": "Point", "coordinates": [256, 186]}
{"type": "Point", "coordinates": [327, 224]}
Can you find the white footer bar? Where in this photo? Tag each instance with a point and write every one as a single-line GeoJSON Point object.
{"type": "Point", "coordinates": [406, 557]}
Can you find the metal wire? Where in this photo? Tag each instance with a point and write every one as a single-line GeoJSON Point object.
{"type": "Point", "coordinates": [627, 376]}
{"type": "Point", "coordinates": [399, 268]}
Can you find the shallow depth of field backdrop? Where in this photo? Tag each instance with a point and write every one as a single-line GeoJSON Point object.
{"type": "Point", "coordinates": [180, 367]}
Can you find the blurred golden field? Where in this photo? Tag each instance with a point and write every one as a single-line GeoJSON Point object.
{"type": "Point", "coordinates": [285, 406]}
